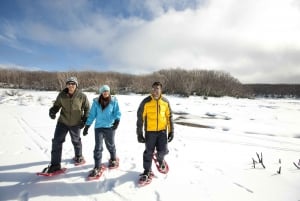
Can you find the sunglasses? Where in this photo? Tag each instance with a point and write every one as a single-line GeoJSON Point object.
{"type": "Point", "coordinates": [71, 83]}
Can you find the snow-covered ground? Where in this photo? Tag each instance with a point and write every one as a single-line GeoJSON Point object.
{"type": "Point", "coordinates": [210, 157]}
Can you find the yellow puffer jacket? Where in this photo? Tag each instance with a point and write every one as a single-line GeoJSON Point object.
{"type": "Point", "coordinates": [155, 115]}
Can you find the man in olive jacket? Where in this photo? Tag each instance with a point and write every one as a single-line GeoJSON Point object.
{"type": "Point", "coordinates": [74, 108]}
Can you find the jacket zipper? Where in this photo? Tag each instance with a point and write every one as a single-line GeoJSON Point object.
{"type": "Point", "coordinates": [157, 110]}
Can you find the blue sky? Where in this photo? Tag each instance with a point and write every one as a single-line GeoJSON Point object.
{"type": "Point", "coordinates": [254, 41]}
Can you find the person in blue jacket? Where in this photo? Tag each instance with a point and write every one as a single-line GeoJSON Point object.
{"type": "Point", "coordinates": [105, 110]}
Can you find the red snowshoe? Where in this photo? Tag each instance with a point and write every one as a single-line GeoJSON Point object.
{"type": "Point", "coordinates": [52, 171]}
{"type": "Point", "coordinates": [96, 173]}
{"type": "Point", "coordinates": [162, 167]}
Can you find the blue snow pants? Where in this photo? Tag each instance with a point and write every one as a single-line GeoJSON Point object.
{"type": "Point", "coordinates": [108, 135]}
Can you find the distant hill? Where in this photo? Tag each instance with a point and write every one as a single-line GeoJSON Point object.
{"type": "Point", "coordinates": [274, 90]}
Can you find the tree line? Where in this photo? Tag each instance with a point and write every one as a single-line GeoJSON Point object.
{"type": "Point", "coordinates": [175, 81]}
{"type": "Point", "coordinates": [274, 90]}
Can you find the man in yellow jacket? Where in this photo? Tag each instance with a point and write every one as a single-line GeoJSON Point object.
{"type": "Point", "coordinates": [155, 115]}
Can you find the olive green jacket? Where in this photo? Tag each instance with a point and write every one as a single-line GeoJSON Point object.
{"type": "Point", "coordinates": [73, 110]}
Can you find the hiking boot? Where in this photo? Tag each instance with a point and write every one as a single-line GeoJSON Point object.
{"type": "Point", "coordinates": [113, 163]}
{"type": "Point", "coordinates": [51, 168]}
{"type": "Point", "coordinates": [162, 165]}
{"type": "Point", "coordinates": [78, 159]}
{"type": "Point", "coordinates": [95, 172]}
{"type": "Point", "coordinates": [148, 174]}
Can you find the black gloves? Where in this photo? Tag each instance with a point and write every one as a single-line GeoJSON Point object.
{"type": "Point", "coordinates": [170, 136]}
{"type": "Point", "coordinates": [85, 130]}
{"type": "Point", "coordinates": [83, 120]}
{"type": "Point", "coordinates": [52, 113]}
{"type": "Point", "coordinates": [115, 124]}
{"type": "Point", "coordinates": [140, 136]}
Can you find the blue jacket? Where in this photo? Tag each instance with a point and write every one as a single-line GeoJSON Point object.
{"type": "Point", "coordinates": [104, 118]}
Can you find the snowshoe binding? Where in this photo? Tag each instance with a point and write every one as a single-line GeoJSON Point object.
{"type": "Point", "coordinates": [96, 173]}
{"type": "Point", "coordinates": [78, 160]}
{"type": "Point", "coordinates": [145, 178]}
{"type": "Point", "coordinates": [52, 170]}
{"type": "Point", "coordinates": [113, 164]}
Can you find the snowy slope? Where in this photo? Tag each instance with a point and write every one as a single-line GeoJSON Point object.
{"type": "Point", "coordinates": [210, 157]}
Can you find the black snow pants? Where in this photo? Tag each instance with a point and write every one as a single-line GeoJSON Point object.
{"type": "Point", "coordinates": [155, 140]}
{"type": "Point", "coordinates": [60, 133]}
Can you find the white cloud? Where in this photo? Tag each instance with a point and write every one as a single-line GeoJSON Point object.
{"type": "Point", "coordinates": [18, 67]}
{"type": "Point", "coordinates": [9, 38]}
{"type": "Point", "coordinates": [255, 41]}
{"type": "Point", "coordinates": [225, 35]}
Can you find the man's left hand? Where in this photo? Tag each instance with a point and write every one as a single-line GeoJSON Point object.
{"type": "Point", "coordinates": [82, 124]}
{"type": "Point", "coordinates": [170, 136]}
